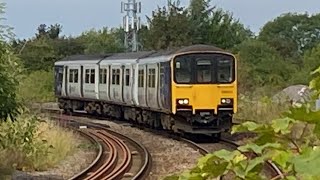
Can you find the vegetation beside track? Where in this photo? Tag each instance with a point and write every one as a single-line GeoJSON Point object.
{"type": "Point", "coordinates": [291, 142]}
{"type": "Point", "coordinates": [32, 144]}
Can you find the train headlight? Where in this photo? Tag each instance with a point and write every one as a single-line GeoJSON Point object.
{"type": "Point", "coordinates": [183, 101]}
{"type": "Point", "coordinates": [226, 101]}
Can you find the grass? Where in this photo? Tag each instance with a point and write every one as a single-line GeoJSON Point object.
{"type": "Point", "coordinates": [32, 145]}
{"type": "Point", "coordinates": [260, 110]}
{"type": "Point", "coordinates": [36, 87]}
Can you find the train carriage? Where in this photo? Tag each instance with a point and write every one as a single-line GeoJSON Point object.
{"type": "Point", "coordinates": [191, 89]}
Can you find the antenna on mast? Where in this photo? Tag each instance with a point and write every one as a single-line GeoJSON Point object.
{"type": "Point", "coordinates": [131, 24]}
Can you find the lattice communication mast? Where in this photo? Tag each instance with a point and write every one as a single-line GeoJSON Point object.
{"type": "Point", "coordinates": [131, 24]}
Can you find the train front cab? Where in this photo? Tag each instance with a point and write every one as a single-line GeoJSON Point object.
{"type": "Point", "coordinates": [204, 91]}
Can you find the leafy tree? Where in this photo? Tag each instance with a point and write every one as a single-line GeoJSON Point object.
{"type": "Point", "coordinates": [225, 31]}
{"type": "Point", "coordinates": [101, 41]}
{"type": "Point", "coordinates": [37, 54]}
{"type": "Point", "coordinates": [261, 65]}
{"type": "Point", "coordinates": [292, 34]}
{"type": "Point", "coordinates": [8, 75]}
{"type": "Point", "coordinates": [199, 23]}
{"type": "Point", "coordinates": [199, 13]}
{"type": "Point", "coordinates": [167, 28]}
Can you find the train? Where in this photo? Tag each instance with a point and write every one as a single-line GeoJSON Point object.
{"type": "Point", "coordinates": [191, 89]}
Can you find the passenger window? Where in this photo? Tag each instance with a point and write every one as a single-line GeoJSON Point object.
{"type": "Point", "coordinates": [152, 78]}
{"type": "Point", "coordinates": [92, 76]}
{"type": "Point", "coordinates": [161, 76]}
{"type": "Point", "coordinates": [76, 76]}
{"type": "Point", "coordinates": [225, 68]}
{"type": "Point", "coordinates": [87, 76]}
{"type": "Point", "coordinates": [183, 70]}
{"type": "Point", "coordinates": [127, 77]}
{"type": "Point", "coordinates": [118, 77]}
{"type": "Point", "coordinates": [71, 75]}
{"type": "Point", "coordinates": [103, 76]}
{"type": "Point", "coordinates": [141, 78]}
{"type": "Point", "coordinates": [204, 71]}
{"type": "Point", "coordinates": [113, 76]}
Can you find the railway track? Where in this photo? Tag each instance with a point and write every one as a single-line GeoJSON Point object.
{"type": "Point", "coordinates": [202, 148]}
{"type": "Point", "coordinates": [119, 157]}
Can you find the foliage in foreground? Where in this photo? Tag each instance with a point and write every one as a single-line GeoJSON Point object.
{"type": "Point", "coordinates": [291, 142]}
{"type": "Point", "coordinates": [8, 71]}
{"type": "Point", "coordinates": [30, 144]}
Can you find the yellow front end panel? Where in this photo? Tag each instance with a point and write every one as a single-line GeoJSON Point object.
{"type": "Point", "coordinates": [203, 96]}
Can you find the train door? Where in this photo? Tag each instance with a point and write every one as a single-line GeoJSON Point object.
{"type": "Point", "coordinates": [127, 81]}
{"type": "Point", "coordinates": [151, 88]}
{"type": "Point", "coordinates": [142, 85]}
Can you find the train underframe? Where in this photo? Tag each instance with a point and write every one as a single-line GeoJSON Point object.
{"type": "Point", "coordinates": [181, 122]}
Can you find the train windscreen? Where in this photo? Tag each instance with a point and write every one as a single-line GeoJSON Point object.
{"type": "Point", "coordinates": [204, 69]}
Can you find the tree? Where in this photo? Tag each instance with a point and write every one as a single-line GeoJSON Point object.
{"type": "Point", "coordinates": [225, 31]}
{"type": "Point", "coordinates": [262, 65]}
{"type": "Point", "coordinates": [8, 75]}
{"type": "Point", "coordinates": [199, 14]}
{"type": "Point", "coordinates": [174, 26]}
{"type": "Point", "coordinates": [292, 34]}
{"type": "Point", "coordinates": [101, 41]}
{"type": "Point", "coordinates": [167, 28]}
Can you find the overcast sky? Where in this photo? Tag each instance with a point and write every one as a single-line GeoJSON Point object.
{"type": "Point", "coordinates": [77, 16]}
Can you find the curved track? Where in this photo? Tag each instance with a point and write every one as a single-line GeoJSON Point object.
{"type": "Point", "coordinates": [272, 168]}
{"type": "Point", "coordinates": [119, 157]}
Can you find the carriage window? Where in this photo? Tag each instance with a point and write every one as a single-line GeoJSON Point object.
{"type": "Point", "coordinates": [141, 78]}
{"type": "Point", "coordinates": [113, 76]}
{"type": "Point", "coordinates": [204, 71]}
{"type": "Point", "coordinates": [161, 76]}
{"type": "Point", "coordinates": [225, 68]}
{"type": "Point", "coordinates": [76, 75]}
{"type": "Point", "coordinates": [183, 70]}
{"type": "Point", "coordinates": [103, 76]}
{"type": "Point", "coordinates": [87, 76]}
{"type": "Point", "coordinates": [127, 76]}
{"type": "Point", "coordinates": [71, 75]}
{"type": "Point", "coordinates": [116, 76]}
{"type": "Point", "coordinates": [152, 78]}
{"type": "Point", "coordinates": [92, 77]}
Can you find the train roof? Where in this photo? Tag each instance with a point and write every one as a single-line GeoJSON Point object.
{"type": "Point", "coordinates": [129, 56]}
{"type": "Point", "coordinates": [82, 59]}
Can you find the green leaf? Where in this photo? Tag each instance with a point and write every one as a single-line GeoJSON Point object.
{"type": "Point", "coordinates": [282, 125]}
{"type": "Point", "coordinates": [307, 163]}
{"type": "Point", "coordinates": [226, 155]}
{"type": "Point", "coordinates": [258, 149]}
{"type": "Point", "coordinates": [254, 163]}
{"type": "Point", "coordinates": [281, 157]}
{"type": "Point", "coordinates": [246, 126]}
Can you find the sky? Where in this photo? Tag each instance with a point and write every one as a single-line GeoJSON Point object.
{"type": "Point", "coordinates": [77, 16]}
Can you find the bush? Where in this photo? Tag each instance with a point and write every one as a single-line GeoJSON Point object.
{"type": "Point", "coordinates": [30, 144]}
{"type": "Point", "coordinates": [261, 109]}
{"type": "Point", "coordinates": [38, 86]}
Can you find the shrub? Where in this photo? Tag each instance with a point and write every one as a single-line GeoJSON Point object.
{"type": "Point", "coordinates": [31, 144]}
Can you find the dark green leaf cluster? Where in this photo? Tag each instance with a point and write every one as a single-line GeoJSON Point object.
{"type": "Point", "coordinates": [199, 23]}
